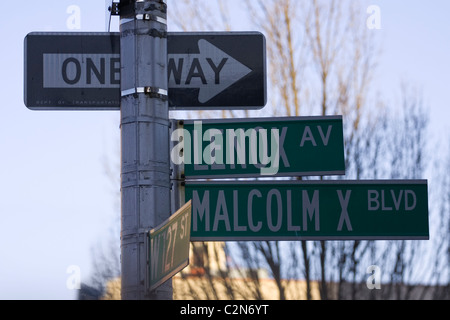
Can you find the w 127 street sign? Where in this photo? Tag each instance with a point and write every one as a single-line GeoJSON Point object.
{"type": "Point", "coordinates": [308, 210]}
{"type": "Point", "coordinates": [168, 247]}
{"type": "Point", "coordinates": [258, 147]}
{"type": "Point", "coordinates": [81, 71]}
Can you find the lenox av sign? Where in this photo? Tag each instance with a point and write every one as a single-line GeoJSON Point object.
{"type": "Point", "coordinates": [82, 71]}
{"type": "Point", "coordinates": [258, 147]}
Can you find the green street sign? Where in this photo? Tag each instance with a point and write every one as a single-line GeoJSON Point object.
{"type": "Point", "coordinates": [168, 247]}
{"type": "Point", "coordinates": [308, 210]}
{"type": "Point", "coordinates": [259, 147]}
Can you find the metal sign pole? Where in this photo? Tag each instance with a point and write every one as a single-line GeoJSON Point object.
{"type": "Point", "coordinates": [145, 172]}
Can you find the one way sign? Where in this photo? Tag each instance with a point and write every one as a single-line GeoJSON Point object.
{"type": "Point", "coordinates": [217, 70]}
{"type": "Point", "coordinates": [81, 71]}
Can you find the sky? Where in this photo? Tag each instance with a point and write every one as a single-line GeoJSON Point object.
{"type": "Point", "coordinates": [57, 202]}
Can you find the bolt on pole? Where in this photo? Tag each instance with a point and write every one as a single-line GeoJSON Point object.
{"type": "Point", "coordinates": [145, 161]}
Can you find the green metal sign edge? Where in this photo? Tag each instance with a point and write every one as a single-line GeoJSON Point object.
{"type": "Point", "coordinates": [419, 235]}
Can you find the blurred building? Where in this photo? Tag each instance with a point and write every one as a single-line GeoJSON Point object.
{"type": "Point", "coordinates": [210, 276]}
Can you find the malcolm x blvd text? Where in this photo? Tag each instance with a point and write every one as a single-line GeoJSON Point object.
{"type": "Point", "coordinates": [308, 210]}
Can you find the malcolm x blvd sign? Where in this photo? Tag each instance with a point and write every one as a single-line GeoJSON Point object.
{"type": "Point", "coordinates": [309, 210]}
{"type": "Point", "coordinates": [81, 71]}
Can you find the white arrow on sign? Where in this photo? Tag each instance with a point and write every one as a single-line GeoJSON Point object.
{"type": "Point", "coordinates": [212, 71]}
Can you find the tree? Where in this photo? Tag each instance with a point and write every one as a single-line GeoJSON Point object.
{"type": "Point", "coordinates": [106, 254]}
{"type": "Point", "coordinates": [322, 60]}
{"type": "Point", "coordinates": [334, 62]}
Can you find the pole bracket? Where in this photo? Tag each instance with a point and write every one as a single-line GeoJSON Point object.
{"type": "Point", "coordinates": [146, 17]}
{"type": "Point", "coordinates": [151, 17]}
{"type": "Point", "coordinates": [153, 92]}
{"type": "Point", "coordinates": [114, 9]}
